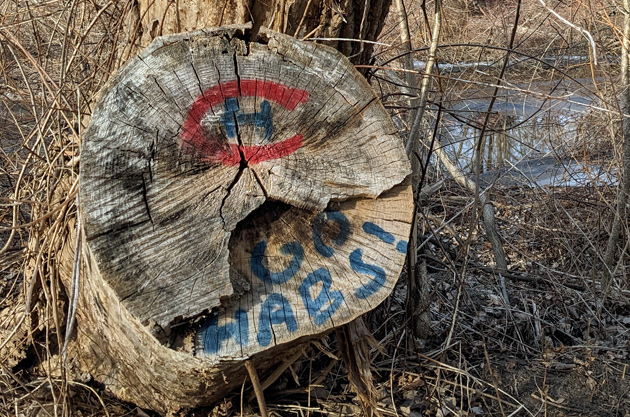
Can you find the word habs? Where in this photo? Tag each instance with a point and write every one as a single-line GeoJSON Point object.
{"type": "Point", "coordinates": [319, 299]}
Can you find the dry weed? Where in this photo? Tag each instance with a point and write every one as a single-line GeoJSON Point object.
{"type": "Point", "coordinates": [540, 339]}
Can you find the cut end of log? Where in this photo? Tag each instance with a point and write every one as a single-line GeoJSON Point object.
{"type": "Point", "coordinates": [259, 184]}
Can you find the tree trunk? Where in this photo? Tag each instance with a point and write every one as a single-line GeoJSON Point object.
{"type": "Point", "coordinates": [237, 197]}
{"type": "Point", "coordinates": [349, 19]}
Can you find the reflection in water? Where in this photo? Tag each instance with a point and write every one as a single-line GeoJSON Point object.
{"type": "Point", "coordinates": [523, 131]}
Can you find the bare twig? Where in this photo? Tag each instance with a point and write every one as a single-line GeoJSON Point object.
{"type": "Point", "coordinates": [583, 31]}
{"type": "Point", "coordinates": [428, 69]}
{"type": "Point", "coordinates": [74, 290]}
{"type": "Point", "coordinates": [278, 372]}
{"type": "Point", "coordinates": [407, 58]}
{"type": "Point", "coordinates": [299, 26]}
{"type": "Point", "coordinates": [260, 395]}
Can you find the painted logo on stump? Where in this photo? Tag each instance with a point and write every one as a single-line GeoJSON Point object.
{"type": "Point", "coordinates": [201, 142]}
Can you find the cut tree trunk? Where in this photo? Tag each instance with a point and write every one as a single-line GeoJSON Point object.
{"type": "Point", "coordinates": [238, 198]}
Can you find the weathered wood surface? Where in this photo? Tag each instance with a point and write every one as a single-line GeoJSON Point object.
{"type": "Point", "coordinates": [308, 271]}
{"type": "Point", "coordinates": [164, 181]}
{"type": "Point", "coordinates": [113, 348]}
{"type": "Point", "coordinates": [255, 187]}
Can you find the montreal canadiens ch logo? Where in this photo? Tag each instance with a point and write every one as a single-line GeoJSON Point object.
{"type": "Point", "coordinates": [199, 142]}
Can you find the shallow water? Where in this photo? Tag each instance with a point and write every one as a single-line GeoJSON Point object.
{"type": "Point", "coordinates": [528, 135]}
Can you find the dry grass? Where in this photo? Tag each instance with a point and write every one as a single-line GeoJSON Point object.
{"type": "Point", "coordinates": [55, 57]}
{"type": "Point", "coordinates": [543, 339]}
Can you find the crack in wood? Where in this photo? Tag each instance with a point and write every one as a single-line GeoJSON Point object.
{"type": "Point", "coordinates": [238, 176]}
{"type": "Point", "coordinates": [145, 198]}
{"type": "Point", "coordinates": [89, 238]}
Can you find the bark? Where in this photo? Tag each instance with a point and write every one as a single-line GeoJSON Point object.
{"type": "Point", "coordinates": [407, 60]}
{"type": "Point", "coordinates": [355, 341]}
{"type": "Point", "coordinates": [353, 19]}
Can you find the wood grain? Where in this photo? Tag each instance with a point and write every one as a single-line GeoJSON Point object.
{"type": "Point", "coordinates": [160, 208]}
{"type": "Point", "coordinates": [308, 271]}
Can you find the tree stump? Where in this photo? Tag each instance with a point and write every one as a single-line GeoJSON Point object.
{"type": "Point", "coordinates": [243, 195]}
